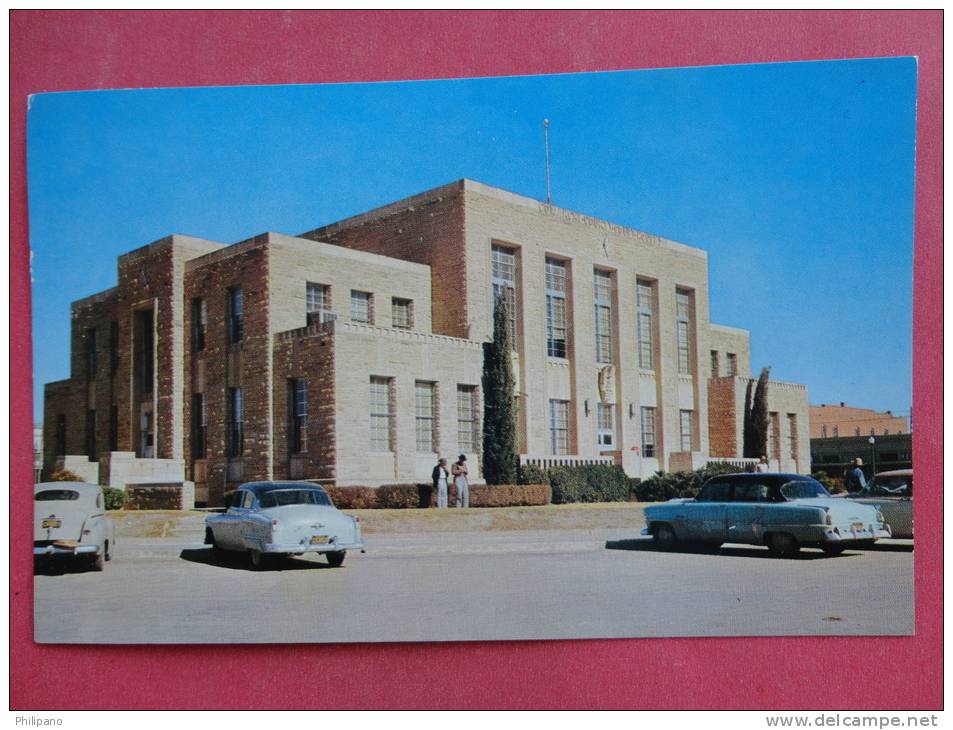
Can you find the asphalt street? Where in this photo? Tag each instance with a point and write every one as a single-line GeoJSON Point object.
{"type": "Point", "coordinates": [528, 584]}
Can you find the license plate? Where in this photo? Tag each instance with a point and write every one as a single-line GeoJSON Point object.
{"type": "Point", "coordinates": [857, 526]}
{"type": "Point", "coordinates": [319, 539]}
{"type": "Point", "coordinates": [49, 523]}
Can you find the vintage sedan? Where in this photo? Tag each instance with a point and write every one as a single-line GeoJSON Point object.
{"type": "Point", "coordinates": [272, 519]}
{"type": "Point", "coordinates": [892, 493]}
{"type": "Point", "coordinates": [782, 511]}
{"type": "Point", "coordinates": [70, 523]}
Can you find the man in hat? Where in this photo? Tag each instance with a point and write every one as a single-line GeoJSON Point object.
{"type": "Point", "coordinates": [855, 480]}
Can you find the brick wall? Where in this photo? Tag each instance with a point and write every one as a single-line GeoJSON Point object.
{"type": "Point", "coordinates": [723, 418]}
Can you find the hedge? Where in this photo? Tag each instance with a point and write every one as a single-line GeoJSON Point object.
{"type": "Point", "coordinates": [113, 498]}
{"type": "Point", "coordinates": [584, 483]}
{"type": "Point", "coordinates": [674, 485]}
{"type": "Point", "coordinates": [64, 476]}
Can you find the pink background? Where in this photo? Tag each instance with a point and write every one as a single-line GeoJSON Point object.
{"type": "Point", "coordinates": [57, 50]}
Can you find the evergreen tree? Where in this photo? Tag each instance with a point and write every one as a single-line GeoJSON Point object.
{"type": "Point", "coordinates": [499, 416]}
{"type": "Point", "coordinates": [746, 439]}
{"type": "Point", "coordinates": [759, 416]}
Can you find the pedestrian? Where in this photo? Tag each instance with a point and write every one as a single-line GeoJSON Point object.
{"type": "Point", "coordinates": [762, 466]}
{"type": "Point", "coordinates": [460, 481]}
{"type": "Point", "coordinates": [855, 481]}
{"type": "Point", "coordinates": [441, 476]}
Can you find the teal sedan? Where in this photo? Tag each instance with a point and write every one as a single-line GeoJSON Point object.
{"type": "Point", "coordinates": [782, 511]}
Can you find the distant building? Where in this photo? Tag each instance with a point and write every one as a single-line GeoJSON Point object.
{"type": "Point", "coordinates": [832, 455]}
{"type": "Point", "coordinates": [839, 421]}
{"type": "Point", "coordinates": [37, 451]}
{"type": "Point", "coordinates": [353, 353]}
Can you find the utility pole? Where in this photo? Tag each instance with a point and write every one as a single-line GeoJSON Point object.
{"type": "Point", "coordinates": [549, 196]}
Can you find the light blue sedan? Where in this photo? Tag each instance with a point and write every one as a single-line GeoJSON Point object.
{"type": "Point", "coordinates": [782, 511]}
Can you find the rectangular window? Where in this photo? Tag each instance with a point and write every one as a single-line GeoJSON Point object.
{"type": "Point", "coordinates": [555, 308]}
{"type": "Point", "coordinates": [91, 359]}
{"type": "Point", "coordinates": [823, 431]}
{"type": "Point", "coordinates": [605, 433]}
{"type": "Point", "coordinates": [559, 426]}
{"type": "Point", "coordinates": [503, 270]}
{"type": "Point", "coordinates": [466, 419]}
{"type": "Point", "coordinates": [381, 414]}
{"type": "Point", "coordinates": [425, 403]}
{"type": "Point", "coordinates": [645, 295]}
{"type": "Point", "coordinates": [199, 425]}
{"type": "Point", "coordinates": [91, 435]}
{"type": "Point", "coordinates": [602, 288]}
{"type": "Point", "coordinates": [297, 415]}
{"type": "Point", "coordinates": [145, 349]}
{"type": "Point", "coordinates": [235, 315]}
{"type": "Point", "coordinates": [835, 432]}
{"type": "Point", "coordinates": [114, 428]}
{"type": "Point", "coordinates": [683, 330]}
{"type": "Point", "coordinates": [402, 314]}
{"type": "Point", "coordinates": [199, 321]}
{"type": "Point", "coordinates": [792, 435]}
{"type": "Point", "coordinates": [113, 346]}
{"type": "Point", "coordinates": [856, 431]}
{"type": "Point", "coordinates": [361, 307]}
{"type": "Point", "coordinates": [732, 364]}
{"type": "Point", "coordinates": [715, 369]}
{"type": "Point", "coordinates": [648, 432]}
{"type": "Point", "coordinates": [318, 303]}
{"type": "Point", "coordinates": [686, 430]}
{"type": "Point", "coordinates": [236, 423]}
{"type": "Point", "coordinates": [774, 426]}
{"type": "Point", "coordinates": [59, 438]}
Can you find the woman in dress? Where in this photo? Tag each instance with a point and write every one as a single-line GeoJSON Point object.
{"type": "Point", "coordinates": [460, 481]}
{"type": "Point", "coordinates": [441, 476]}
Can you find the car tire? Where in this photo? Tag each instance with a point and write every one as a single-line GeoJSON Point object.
{"type": "Point", "coordinates": [832, 549]}
{"type": "Point", "coordinates": [99, 562]}
{"type": "Point", "coordinates": [665, 537]}
{"type": "Point", "coordinates": [783, 545]}
{"type": "Point", "coordinates": [109, 555]}
{"type": "Point", "coordinates": [259, 560]}
{"type": "Point", "coordinates": [336, 559]}
{"type": "Point", "coordinates": [210, 541]}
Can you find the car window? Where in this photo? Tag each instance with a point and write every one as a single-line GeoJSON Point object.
{"type": "Point", "coordinates": [715, 492]}
{"type": "Point", "coordinates": [282, 497]}
{"type": "Point", "coordinates": [237, 498]}
{"type": "Point", "coordinates": [57, 495]}
{"type": "Point", "coordinates": [751, 492]}
{"type": "Point", "coordinates": [99, 500]}
{"type": "Point", "coordinates": [893, 486]}
{"type": "Point", "coordinates": [804, 489]}
{"type": "Point", "coordinates": [249, 499]}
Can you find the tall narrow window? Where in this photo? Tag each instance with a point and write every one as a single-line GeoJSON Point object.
{"type": "Point", "coordinates": [835, 432]}
{"type": "Point", "coordinates": [199, 321]}
{"type": "Point", "coordinates": [503, 270]}
{"type": "Point", "coordinates": [402, 315]}
{"type": "Point", "coordinates": [559, 426]}
{"type": "Point", "coordinates": [687, 430]}
{"type": "Point", "coordinates": [823, 430]}
{"type": "Point", "coordinates": [605, 433]}
{"type": "Point", "coordinates": [555, 308]}
{"type": "Point", "coordinates": [466, 418]}
{"type": "Point", "coordinates": [424, 398]}
{"type": "Point", "coordinates": [381, 415]}
{"type": "Point", "coordinates": [648, 432]}
{"type": "Point", "coordinates": [645, 296]}
{"type": "Point", "coordinates": [114, 428]}
{"type": "Point", "coordinates": [145, 349]}
{"type": "Point", "coordinates": [113, 346]}
{"type": "Point", "coordinates": [792, 435]}
{"type": "Point", "coordinates": [715, 370]}
{"type": "Point", "coordinates": [683, 323]}
{"type": "Point", "coordinates": [236, 423]}
{"type": "Point", "coordinates": [732, 364]}
{"type": "Point", "coordinates": [91, 450]}
{"type": "Point", "coordinates": [361, 307]}
{"type": "Point", "coordinates": [199, 426]}
{"type": "Point", "coordinates": [235, 320]}
{"type": "Point", "coordinates": [59, 437]}
{"type": "Point", "coordinates": [318, 303]}
{"type": "Point", "coordinates": [856, 431]}
{"type": "Point", "coordinates": [298, 415]}
{"type": "Point", "coordinates": [602, 289]}
{"type": "Point", "coordinates": [773, 426]}
{"type": "Point", "coordinates": [91, 359]}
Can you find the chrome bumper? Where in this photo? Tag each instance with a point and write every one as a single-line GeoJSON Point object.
{"type": "Point", "coordinates": [54, 550]}
{"type": "Point", "coordinates": [646, 531]}
{"type": "Point", "coordinates": [330, 547]}
{"type": "Point", "coordinates": [838, 534]}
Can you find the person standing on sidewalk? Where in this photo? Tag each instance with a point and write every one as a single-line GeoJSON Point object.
{"type": "Point", "coordinates": [855, 480]}
{"type": "Point", "coordinates": [460, 481]}
{"type": "Point", "coordinates": [441, 476]}
{"type": "Point", "coordinates": [762, 466]}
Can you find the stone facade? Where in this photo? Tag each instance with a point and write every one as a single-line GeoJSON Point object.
{"type": "Point", "coordinates": [357, 353]}
{"type": "Point", "coordinates": [840, 421]}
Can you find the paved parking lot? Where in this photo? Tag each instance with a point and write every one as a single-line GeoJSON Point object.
{"type": "Point", "coordinates": [517, 584]}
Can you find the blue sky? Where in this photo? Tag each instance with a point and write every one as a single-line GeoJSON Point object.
{"type": "Point", "coordinates": [796, 178]}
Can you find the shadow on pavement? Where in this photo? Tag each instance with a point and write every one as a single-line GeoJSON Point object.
{"type": "Point", "coordinates": [62, 566]}
{"type": "Point", "coordinates": [234, 560]}
{"type": "Point", "coordinates": [738, 551]}
{"type": "Point", "coordinates": [906, 546]}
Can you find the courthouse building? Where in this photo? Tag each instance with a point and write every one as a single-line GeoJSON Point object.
{"type": "Point", "coordinates": [352, 353]}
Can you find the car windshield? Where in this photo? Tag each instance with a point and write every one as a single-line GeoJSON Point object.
{"type": "Point", "coordinates": [892, 486]}
{"type": "Point", "coordinates": [57, 495]}
{"type": "Point", "coordinates": [283, 497]}
{"type": "Point", "coordinates": [804, 489]}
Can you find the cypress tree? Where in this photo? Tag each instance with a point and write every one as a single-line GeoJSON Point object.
{"type": "Point", "coordinates": [759, 416]}
{"type": "Point", "coordinates": [746, 439]}
{"type": "Point", "coordinates": [499, 417]}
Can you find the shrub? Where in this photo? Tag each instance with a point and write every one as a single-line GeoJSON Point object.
{"type": "Point", "coordinates": [398, 496]}
{"type": "Point", "coordinates": [829, 484]}
{"type": "Point", "coordinates": [663, 486]}
{"type": "Point", "coordinates": [605, 483]}
{"type": "Point", "coordinates": [531, 474]}
{"type": "Point", "coordinates": [64, 476]}
{"type": "Point", "coordinates": [510, 495]}
{"type": "Point", "coordinates": [568, 484]}
{"type": "Point", "coordinates": [353, 497]}
{"type": "Point", "coordinates": [113, 498]}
